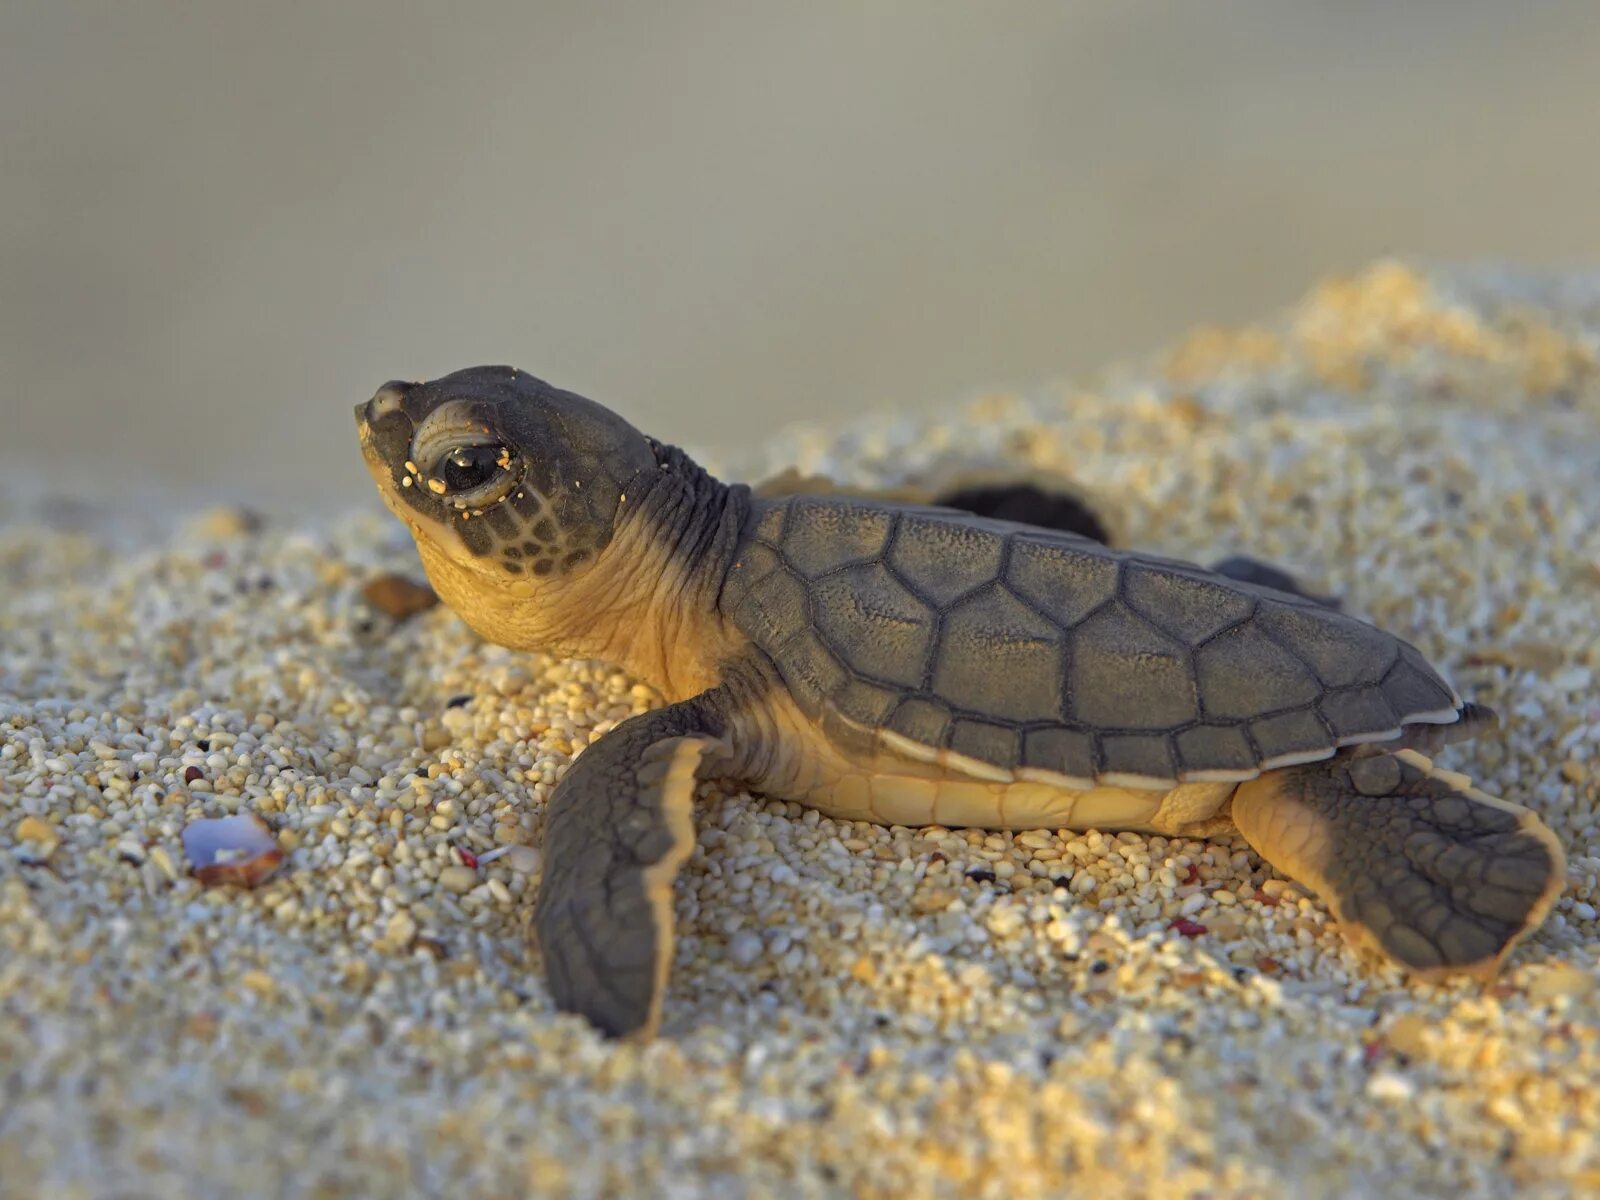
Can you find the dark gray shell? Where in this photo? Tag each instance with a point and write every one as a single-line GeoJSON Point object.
{"type": "Point", "coordinates": [1023, 648]}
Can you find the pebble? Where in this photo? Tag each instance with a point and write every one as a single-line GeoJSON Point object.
{"type": "Point", "coordinates": [401, 930]}
{"type": "Point", "coordinates": [32, 829]}
{"type": "Point", "coordinates": [398, 596]}
{"type": "Point", "coordinates": [744, 948]}
{"type": "Point", "coordinates": [1390, 1086]}
{"type": "Point", "coordinates": [458, 879]}
{"type": "Point", "coordinates": [864, 1021]}
{"type": "Point", "coordinates": [516, 856]}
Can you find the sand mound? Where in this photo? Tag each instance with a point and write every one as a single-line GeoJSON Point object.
{"type": "Point", "coordinates": [853, 1010]}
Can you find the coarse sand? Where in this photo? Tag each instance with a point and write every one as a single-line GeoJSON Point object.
{"type": "Point", "coordinates": [854, 1010]}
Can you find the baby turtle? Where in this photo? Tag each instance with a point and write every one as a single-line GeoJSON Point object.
{"type": "Point", "coordinates": [918, 665]}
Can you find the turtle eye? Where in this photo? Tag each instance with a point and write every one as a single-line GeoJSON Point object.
{"type": "Point", "coordinates": [468, 468]}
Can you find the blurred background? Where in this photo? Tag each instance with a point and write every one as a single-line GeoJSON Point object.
{"type": "Point", "coordinates": [221, 225]}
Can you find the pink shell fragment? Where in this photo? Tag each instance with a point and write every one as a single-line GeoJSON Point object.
{"type": "Point", "coordinates": [237, 850]}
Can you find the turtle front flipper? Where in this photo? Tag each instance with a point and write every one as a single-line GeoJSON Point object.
{"type": "Point", "coordinates": [1414, 861]}
{"type": "Point", "coordinates": [618, 828]}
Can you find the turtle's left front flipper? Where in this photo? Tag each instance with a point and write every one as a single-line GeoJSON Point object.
{"type": "Point", "coordinates": [618, 828]}
{"type": "Point", "coordinates": [1415, 862]}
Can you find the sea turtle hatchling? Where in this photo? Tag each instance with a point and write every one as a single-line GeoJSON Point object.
{"type": "Point", "coordinates": [916, 665]}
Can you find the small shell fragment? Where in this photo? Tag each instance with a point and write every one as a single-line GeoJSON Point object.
{"type": "Point", "coordinates": [238, 850]}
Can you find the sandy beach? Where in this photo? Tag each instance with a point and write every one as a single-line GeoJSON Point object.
{"type": "Point", "coordinates": [853, 1010]}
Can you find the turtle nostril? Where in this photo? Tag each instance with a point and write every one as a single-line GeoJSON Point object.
{"type": "Point", "coordinates": [387, 400]}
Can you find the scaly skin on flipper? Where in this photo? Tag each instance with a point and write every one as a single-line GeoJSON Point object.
{"type": "Point", "coordinates": [1417, 864]}
{"type": "Point", "coordinates": [910, 664]}
{"type": "Point", "coordinates": [618, 828]}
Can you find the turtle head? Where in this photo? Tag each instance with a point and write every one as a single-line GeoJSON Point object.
{"type": "Point", "coordinates": [503, 479]}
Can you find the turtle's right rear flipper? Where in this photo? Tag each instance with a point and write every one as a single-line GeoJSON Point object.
{"type": "Point", "coordinates": [1415, 862]}
{"type": "Point", "coordinates": [1057, 506]}
{"type": "Point", "coordinates": [1028, 503]}
{"type": "Point", "coordinates": [1252, 570]}
{"type": "Point", "coordinates": [1030, 498]}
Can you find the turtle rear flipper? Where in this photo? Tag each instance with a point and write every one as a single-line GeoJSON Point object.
{"type": "Point", "coordinates": [1413, 861]}
{"type": "Point", "coordinates": [1252, 570]}
{"type": "Point", "coordinates": [618, 829]}
{"type": "Point", "coordinates": [1028, 503]}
